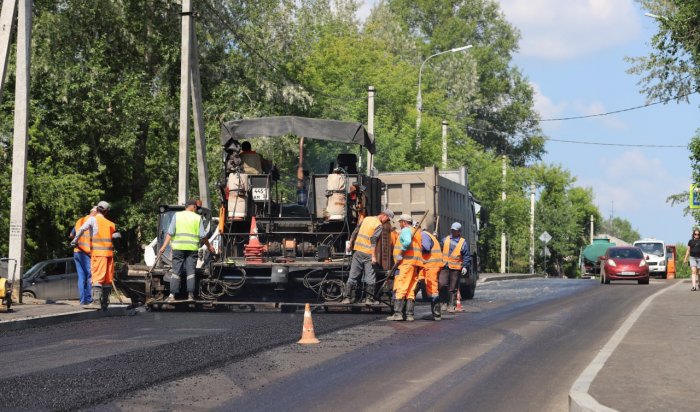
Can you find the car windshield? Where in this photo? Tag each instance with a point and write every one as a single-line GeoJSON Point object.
{"type": "Point", "coordinates": [652, 248]}
{"type": "Point", "coordinates": [625, 253]}
{"type": "Point", "coordinates": [32, 270]}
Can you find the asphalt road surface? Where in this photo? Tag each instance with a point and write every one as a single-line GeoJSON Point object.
{"type": "Point", "coordinates": [519, 346]}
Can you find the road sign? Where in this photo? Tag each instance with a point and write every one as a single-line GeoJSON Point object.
{"type": "Point", "coordinates": [545, 237]}
{"type": "Point", "coordinates": [694, 196]}
{"type": "Point", "coordinates": [547, 253]}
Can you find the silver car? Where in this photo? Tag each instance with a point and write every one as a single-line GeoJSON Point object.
{"type": "Point", "coordinates": [53, 279]}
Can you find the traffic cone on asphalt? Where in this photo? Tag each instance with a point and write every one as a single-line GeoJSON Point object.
{"type": "Point", "coordinates": [307, 332]}
{"type": "Point", "coordinates": [459, 307]}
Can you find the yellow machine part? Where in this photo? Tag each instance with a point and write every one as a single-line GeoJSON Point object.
{"type": "Point", "coordinates": [3, 286]}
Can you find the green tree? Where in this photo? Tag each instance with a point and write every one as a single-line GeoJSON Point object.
{"type": "Point", "coordinates": [621, 228]}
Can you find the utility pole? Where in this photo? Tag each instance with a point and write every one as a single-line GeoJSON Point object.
{"type": "Point", "coordinates": [591, 229]}
{"type": "Point", "coordinates": [183, 158]}
{"type": "Point", "coordinates": [532, 229]}
{"type": "Point", "coordinates": [370, 125]}
{"type": "Point", "coordinates": [444, 144]}
{"type": "Point", "coordinates": [19, 144]}
{"type": "Point", "coordinates": [503, 232]}
{"type": "Point", "coordinates": [198, 116]}
{"type": "Point", "coordinates": [7, 18]}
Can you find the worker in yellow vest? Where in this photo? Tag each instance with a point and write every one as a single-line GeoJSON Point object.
{"type": "Point", "coordinates": [364, 258]}
{"type": "Point", "coordinates": [103, 231]}
{"type": "Point", "coordinates": [456, 261]}
{"type": "Point", "coordinates": [81, 258]}
{"type": "Point", "coordinates": [186, 231]}
{"type": "Point", "coordinates": [408, 254]}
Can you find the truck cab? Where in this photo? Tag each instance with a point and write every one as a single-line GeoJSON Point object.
{"type": "Point", "coordinates": [655, 255]}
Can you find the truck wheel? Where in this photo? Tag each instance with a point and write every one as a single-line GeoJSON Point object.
{"type": "Point", "coordinates": [467, 291]}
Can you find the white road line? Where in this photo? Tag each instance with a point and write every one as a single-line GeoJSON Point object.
{"type": "Point", "coordinates": [579, 399]}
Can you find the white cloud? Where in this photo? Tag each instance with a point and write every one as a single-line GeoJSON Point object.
{"type": "Point", "coordinates": [633, 182]}
{"type": "Point", "coordinates": [544, 105]}
{"type": "Point", "coordinates": [559, 30]}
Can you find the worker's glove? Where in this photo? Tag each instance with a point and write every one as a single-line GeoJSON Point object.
{"type": "Point", "coordinates": [73, 243]}
{"type": "Point", "coordinates": [399, 257]}
{"type": "Point", "coordinates": [116, 235]}
{"type": "Point", "coordinates": [464, 271]}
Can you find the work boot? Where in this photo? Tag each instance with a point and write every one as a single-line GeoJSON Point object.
{"type": "Point", "coordinates": [399, 305]}
{"type": "Point", "coordinates": [96, 297]}
{"type": "Point", "coordinates": [369, 294]}
{"type": "Point", "coordinates": [170, 298]}
{"type": "Point", "coordinates": [410, 304]}
{"type": "Point", "coordinates": [435, 309]}
{"type": "Point", "coordinates": [451, 304]}
{"type": "Point", "coordinates": [348, 295]}
{"type": "Point", "coordinates": [104, 301]}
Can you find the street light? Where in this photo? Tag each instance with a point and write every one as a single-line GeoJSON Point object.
{"type": "Point", "coordinates": [419, 99]}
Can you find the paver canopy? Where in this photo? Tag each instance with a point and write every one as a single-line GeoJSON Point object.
{"type": "Point", "coordinates": [321, 129]}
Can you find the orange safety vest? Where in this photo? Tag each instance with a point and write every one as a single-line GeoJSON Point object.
{"type": "Point", "coordinates": [83, 243]}
{"type": "Point", "coordinates": [367, 228]}
{"type": "Point", "coordinates": [452, 260]}
{"type": "Point", "coordinates": [433, 259]}
{"type": "Point", "coordinates": [102, 242]}
{"type": "Point", "coordinates": [412, 255]}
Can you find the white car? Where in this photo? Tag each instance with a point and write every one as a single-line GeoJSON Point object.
{"type": "Point", "coordinates": [654, 254]}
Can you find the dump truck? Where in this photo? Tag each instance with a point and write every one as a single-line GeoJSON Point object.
{"type": "Point", "coordinates": [286, 241]}
{"type": "Point", "coordinates": [444, 198]}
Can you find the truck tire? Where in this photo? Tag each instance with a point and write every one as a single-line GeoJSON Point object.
{"type": "Point", "coordinates": [467, 291]}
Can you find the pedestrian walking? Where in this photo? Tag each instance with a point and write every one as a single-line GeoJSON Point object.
{"type": "Point", "coordinates": [408, 254]}
{"type": "Point", "coordinates": [102, 231]}
{"type": "Point", "coordinates": [186, 232]}
{"type": "Point", "coordinates": [81, 258]}
{"type": "Point", "coordinates": [364, 258]}
{"type": "Point", "coordinates": [456, 259]}
{"type": "Point", "coordinates": [692, 255]}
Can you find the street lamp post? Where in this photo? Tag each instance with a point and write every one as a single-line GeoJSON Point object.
{"type": "Point", "coordinates": [419, 99]}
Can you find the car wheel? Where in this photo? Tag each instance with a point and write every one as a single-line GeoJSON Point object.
{"type": "Point", "coordinates": [605, 278]}
{"type": "Point", "coordinates": [643, 281]}
{"type": "Point", "coordinates": [28, 294]}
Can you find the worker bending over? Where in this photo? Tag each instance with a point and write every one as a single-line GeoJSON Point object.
{"type": "Point", "coordinates": [456, 259]}
{"type": "Point", "coordinates": [364, 258]}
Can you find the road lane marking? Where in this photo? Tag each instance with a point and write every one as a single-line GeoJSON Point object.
{"type": "Point", "coordinates": [579, 398]}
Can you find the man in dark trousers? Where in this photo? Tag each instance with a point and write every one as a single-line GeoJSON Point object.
{"type": "Point", "coordinates": [456, 259]}
{"type": "Point", "coordinates": [186, 232]}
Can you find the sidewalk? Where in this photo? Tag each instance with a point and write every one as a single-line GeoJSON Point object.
{"type": "Point", "coordinates": [656, 365]}
{"type": "Point", "coordinates": [33, 313]}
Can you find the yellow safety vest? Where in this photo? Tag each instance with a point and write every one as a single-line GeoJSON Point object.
{"type": "Point", "coordinates": [452, 260]}
{"type": "Point", "coordinates": [186, 231]}
{"type": "Point", "coordinates": [102, 242]}
{"type": "Point", "coordinates": [84, 242]}
{"type": "Point", "coordinates": [433, 259]}
{"type": "Point", "coordinates": [367, 228]}
{"type": "Point", "coordinates": [412, 255]}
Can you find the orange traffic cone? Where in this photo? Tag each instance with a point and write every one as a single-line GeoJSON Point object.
{"type": "Point", "coordinates": [307, 332]}
{"type": "Point", "coordinates": [459, 307]}
{"type": "Point", "coordinates": [253, 251]}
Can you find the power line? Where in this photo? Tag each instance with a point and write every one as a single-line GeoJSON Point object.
{"type": "Point", "coordinates": [680, 96]}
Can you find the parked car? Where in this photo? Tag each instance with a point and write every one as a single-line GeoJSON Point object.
{"type": "Point", "coordinates": [53, 279]}
{"type": "Point", "coordinates": [624, 263]}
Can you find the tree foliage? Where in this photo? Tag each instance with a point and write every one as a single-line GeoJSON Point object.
{"type": "Point", "coordinates": [105, 107]}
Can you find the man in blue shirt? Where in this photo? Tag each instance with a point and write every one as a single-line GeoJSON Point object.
{"type": "Point", "coordinates": [456, 258]}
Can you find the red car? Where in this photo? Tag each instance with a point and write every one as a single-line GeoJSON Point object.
{"type": "Point", "coordinates": [624, 263]}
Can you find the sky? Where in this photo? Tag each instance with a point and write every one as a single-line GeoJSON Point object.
{"type": "Point", "coordinates": [573, 53]}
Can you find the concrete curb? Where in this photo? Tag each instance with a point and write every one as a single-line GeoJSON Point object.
{"type": "Point", "coordinates": [579, 398]}
{"type": "Point", "coordinates": [508, 276]}
{"type": "Point", "coordinates": [78, 315]}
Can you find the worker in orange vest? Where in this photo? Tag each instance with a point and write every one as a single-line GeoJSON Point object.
{"type": "Point", "coordinates": [102, 257]}
{"type": "Point", "coordinates": [432, 264]}
{"type": "Point", "coordinates": [364, 257]}
{"type": "Point", "coordinates": [408, 254]}
{"type": "Point", "coordinates": [81, 258]}
{"type": "Point", "coordinates": [456, 261]}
